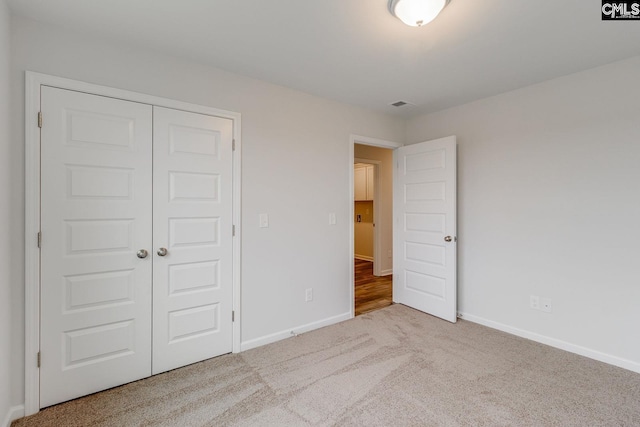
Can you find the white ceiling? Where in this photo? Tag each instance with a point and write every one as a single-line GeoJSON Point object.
{"type": "Point", "coordinates": [355, 52]}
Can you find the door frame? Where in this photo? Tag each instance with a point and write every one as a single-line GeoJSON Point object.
{"type": "Point", "coordinates": [33, 83]}
{"type": "Point", "coordinates": [375, 142]}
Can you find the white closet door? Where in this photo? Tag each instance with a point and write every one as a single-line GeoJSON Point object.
{"type": "Point", "coordinates": [192, 221]}
{"type": "Point", "coordinates": [96, 204]}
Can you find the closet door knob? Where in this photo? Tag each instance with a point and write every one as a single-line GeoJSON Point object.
{"type": "Point", "coordinates": [142, 253]}
{"type": "Point", "coordinates": [163, 251]}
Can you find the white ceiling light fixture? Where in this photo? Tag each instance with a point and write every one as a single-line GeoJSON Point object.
{"type": "Point", "coordinates": [416, 13]}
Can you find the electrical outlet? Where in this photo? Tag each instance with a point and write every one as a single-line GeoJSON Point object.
{"type": "Point", "coordinates": [534, 302]}
{"type": "Point", "coordinates": [308, 295]}
{"type": "Point", "coordinates": [264, 220]}
{"type": "Point", "coordinates": [389, 253]}
{"type": "Point", "coordinates": [545, 305]}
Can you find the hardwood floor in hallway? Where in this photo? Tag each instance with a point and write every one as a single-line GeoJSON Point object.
{"type": "Point", "coordinates": [371, 292]}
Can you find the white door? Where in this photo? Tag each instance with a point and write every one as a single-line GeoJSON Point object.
{"type": "Point", "coordinates": [424, 270]}
{"type": "Point", "coordinates": [192, 228]}
{"type": "Point", "coordinates": [96, 206]}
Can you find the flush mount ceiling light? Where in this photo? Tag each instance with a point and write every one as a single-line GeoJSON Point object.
{"type": "Point", "coordinates": [416, 13]}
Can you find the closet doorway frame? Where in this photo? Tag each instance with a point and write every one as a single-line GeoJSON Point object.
{"type": "Point", "coordinates": [33, 82]}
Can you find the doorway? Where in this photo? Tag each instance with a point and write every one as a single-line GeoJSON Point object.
{"type": "Point", "coordinates": [372, 227]}
{"type": "Point", "coordinates": [423, 187]}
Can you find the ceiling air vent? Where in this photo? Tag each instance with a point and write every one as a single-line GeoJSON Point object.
{"type": "Point", "coordinates": [399, 104]}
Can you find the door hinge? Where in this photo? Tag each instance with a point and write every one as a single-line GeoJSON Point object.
{"type": "Point", "coordinates": [39, 119]}
{"type": "Point", "coordinates": [39, 239]}
{"type": "Point", "coordinates": [233, 230]}
{"type": "Point", "coordinates": [39, 360]}
{"type": "Point", "coordinates": [233, 145]}
{"type": "Point", "coordinates": [233, 316]}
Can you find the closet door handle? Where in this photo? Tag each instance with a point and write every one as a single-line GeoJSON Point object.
{"type": "Point", "coordinates": [142, 253]}
{"type": "Point", "coordinates": [163, 251]}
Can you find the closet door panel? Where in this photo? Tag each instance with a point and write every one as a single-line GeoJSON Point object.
{"type": "Point", "coordinates": [192, 226]}
{"type": "Point", "coordinates": [95, 209]}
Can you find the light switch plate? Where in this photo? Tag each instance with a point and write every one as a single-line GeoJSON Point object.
{"type": "Point", "coordinates": [332, 219]}
{"type": "Point", "coordinates": [264, 220]}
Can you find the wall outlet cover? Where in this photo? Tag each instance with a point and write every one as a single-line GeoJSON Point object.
{"type": "Point", "coordinates": [264, 220]}
{"type": "Point", "coordinates": [534, 302]}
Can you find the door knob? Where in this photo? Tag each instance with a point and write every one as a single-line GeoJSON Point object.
{"type": "Point", "coordinates": [448, 239]}
{"type": "Point", "coordinates": [163, 251]}
{"type": "Point", "coordinates": [142, 253]}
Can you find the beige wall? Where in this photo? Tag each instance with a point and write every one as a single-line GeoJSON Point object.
{"type": "Point", "coordinates": [363, 231]}
{"type": "Point", "coordinates": [549, 205]}
{"type": "Point", "coordinates": [364, 209]}
{"type": "Point", "coordinates": [385, 222]}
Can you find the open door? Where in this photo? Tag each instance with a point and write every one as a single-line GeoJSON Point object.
{"type": "Point", "coordinates": [424, 246]}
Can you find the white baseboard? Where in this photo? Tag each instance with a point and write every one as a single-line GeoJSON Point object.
{"type": "Point", "coordinates": [363, 257]}
{"type": "Point", "coordinates": [387, 272]}
{"type": "Point", "coordinates": [14, 413]}
{"type": "Point", "coordinates": [268, 339]}
{"type": "Point", "coordinates": [553, 342]}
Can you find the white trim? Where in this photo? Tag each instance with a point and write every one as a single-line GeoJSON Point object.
{"type": "Point", "coordinates": [363, 257]}
{"type": "Point", "coordinates": [34, 81]}
{"type": "Point", "coordinates": [32, 253]}
{"type": "Point", "coordinates": [386, 272]}
{"type": "Point", "coordinates": [288, 333]}
{"type": "Point", "coordinates": [352, 211]}
{"type": "Point", "coordinates": [15, 412]}
{"type": "Point", "coordinates": [364, 140]}
{"type": "Point", "coordinates": [554, 342]}
{"type": "Point", "coordinates": [237, 243]}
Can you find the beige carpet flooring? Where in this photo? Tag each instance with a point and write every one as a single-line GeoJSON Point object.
{"type": "Point", "coordinates": [391, 367]}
